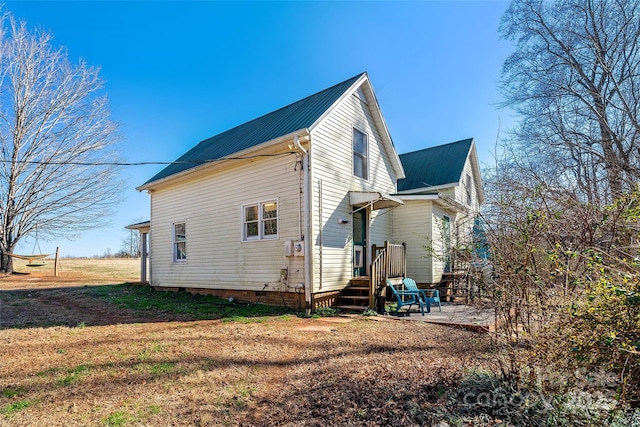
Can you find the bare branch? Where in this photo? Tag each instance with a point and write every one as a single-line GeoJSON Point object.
{"type": "Point", "coordinates": [54, 124]}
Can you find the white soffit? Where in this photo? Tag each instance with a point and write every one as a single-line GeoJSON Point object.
{"type": "Point", "coordinates": [376, 199]}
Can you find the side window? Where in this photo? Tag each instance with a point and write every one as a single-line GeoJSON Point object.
{"type": "Point", "coordinates": [269, 219]}
{"type": "Point", "coordinates": [360, 154]}
{"type": "Point", "coordinates": [260, 221]}
{"type": "Point", "coordinates": [251, 222]}
{"type": "Point", "coordinates": [179, 242]}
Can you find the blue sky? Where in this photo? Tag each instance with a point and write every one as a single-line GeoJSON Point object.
{"type": "Point", "coordinates": [179, 72]}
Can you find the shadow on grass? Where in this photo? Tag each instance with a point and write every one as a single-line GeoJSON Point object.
{"type": "Point", "coordinates": [117, 304]}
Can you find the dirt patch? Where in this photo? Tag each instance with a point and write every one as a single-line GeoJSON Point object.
{"type": "Point", "coordinates": [69, 306]}
{"type": "Point", "coordinates": [316, 328]}
{"type": "Point", "coordinates": [336, 319]}
{"type": "Point", "coordinates": [34, 297]}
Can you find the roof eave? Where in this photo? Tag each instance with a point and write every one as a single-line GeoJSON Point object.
{"type": "Point", "coordinates": [407, 197]}
{"type": "Point", "coordinates": [438, 198]}
{"type": "Point", "coordinates": [198, 169]}
{"type": "Point", "coordinates": [429, 189]}
{"type": "Point", "coordinates": [476, 172]}
{"type": "Point", "coordinates": [140, 226]}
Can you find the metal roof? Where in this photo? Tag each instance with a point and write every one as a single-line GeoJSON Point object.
{"type": "Point", "coordinates": [435, 166]}
{"type": "Point", "coordinates": [299, 115]}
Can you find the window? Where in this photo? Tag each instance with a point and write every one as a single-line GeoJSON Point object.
{"type": "Point", "coordinates": [468, 188]}
{"type": "Point", "coordinates": [269, 219]}
{"type": "Point", "coordinates": [360, 151]}
{"type": "Point", "coordinates": [260, 221]}
{"type": "Point", "coordinates": [179, 242]}
{"type": "Point", "coordinates": [251, 222]}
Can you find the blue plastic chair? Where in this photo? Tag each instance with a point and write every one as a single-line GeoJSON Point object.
{"type": "Point", "coordinates": [411, 285]}
{"type": "Point", "coordinates": [407, 298]}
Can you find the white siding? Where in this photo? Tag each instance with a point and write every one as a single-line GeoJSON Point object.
{"type": "Point", "coordinates": [332, 158]}
{"type": "Point", "coordinates": [462, 229]}
{"type": "Point", "coordinates": [412, 224]}
{"type": "Point", "coordinates": [460, 191]}
{"type": "Point", "coordinates": [438, 247]}
{"type": "Point", "coordinates": [211, 208]}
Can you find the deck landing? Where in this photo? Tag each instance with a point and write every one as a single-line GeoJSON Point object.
{"type": "Point", "coordinates": [466, 316]}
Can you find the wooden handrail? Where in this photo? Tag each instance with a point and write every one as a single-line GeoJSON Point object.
{"type": "Point", "coordinates": [390, 261]}
{"type": "Point", "coordinates": [377, 276]}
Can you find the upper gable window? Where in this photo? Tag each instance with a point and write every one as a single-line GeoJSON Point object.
{"type": "Point", "coordinates": [360, 154]}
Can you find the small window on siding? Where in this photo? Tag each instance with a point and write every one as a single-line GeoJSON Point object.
{"type": "Point", "coordinates": [360, 154]}
{"type": "Point", "coordinates": [179, 242]}
{"type": "Point", "coordinates": [260, 221]}
{"type": "Point", "coordinates": [269, 219]}
{"type": "Point", "coordinates": [469, 189]}
{"type": "Point", "coordinates": [251, 222]}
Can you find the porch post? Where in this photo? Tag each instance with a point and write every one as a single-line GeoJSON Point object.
{"type": "Point", "coordinates": [143, 256]}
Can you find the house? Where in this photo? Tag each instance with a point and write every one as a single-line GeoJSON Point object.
{"type": "Point", "coordinates": [442, 194]}
{"type": "Point", "coordinates": [291, 206]}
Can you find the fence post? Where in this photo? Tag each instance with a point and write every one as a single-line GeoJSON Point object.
{"type": "Point", "coordinates": [55, 263]}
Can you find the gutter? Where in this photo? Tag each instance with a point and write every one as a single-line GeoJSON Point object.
{"type": "Point", "coordinates": [307, 197]}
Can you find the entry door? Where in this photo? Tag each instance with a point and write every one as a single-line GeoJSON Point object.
{"type": "Point", "coordinates": [360, 243]}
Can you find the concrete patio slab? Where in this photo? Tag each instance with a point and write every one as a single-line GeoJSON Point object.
{"type": "Point", "coordinates": [465, 316]}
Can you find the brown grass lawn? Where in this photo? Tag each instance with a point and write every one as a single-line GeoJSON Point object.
{"type": "Point", "coordinates": [72, 272]}
{"type": "Point", "coordinates": [121, 367]}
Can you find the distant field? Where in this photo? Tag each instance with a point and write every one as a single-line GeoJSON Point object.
{"type": "Point", "coordinates": [81, 271]}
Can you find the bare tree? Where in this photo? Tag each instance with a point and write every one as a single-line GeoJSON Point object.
{"type": "Point", "coordinates": [574, 79]}
{"type": "Point", "coordinates": [55, 138]}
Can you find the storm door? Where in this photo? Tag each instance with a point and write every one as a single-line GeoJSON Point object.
{"type": "Point", "coordinates": [360, 243]}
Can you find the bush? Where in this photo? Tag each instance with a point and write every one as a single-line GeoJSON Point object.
{"type": "Point", "coordinates": [567, 287]}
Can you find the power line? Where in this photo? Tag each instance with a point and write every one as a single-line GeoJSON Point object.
{"type": "Point", "coordinates": [181, 162]}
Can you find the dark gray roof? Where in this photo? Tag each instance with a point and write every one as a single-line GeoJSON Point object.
{"type": "Point", "coordinates": [299, 115]}
{"type": "Point", "coordinates": [434, 166]}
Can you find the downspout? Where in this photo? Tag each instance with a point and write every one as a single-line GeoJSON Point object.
{"type": "Point", "coordinates": [307, 198]}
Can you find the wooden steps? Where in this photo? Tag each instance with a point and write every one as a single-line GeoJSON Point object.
{"type": "Point", "coordinates": [352, 308]}
{"type": "Point", "coordinates": [355, 297]}
{"type": "Point", "coordinates": [454, 287]}
{"type": "Point", "coordinates": [359, 288]}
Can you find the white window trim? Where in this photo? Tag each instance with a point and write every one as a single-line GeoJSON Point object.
{"type": "Point", "coordinates": [260, 236]}
{"type": "Point", "coordinates": [353, 153]}
{"type": "Point", "coordinates": [174, 252]}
